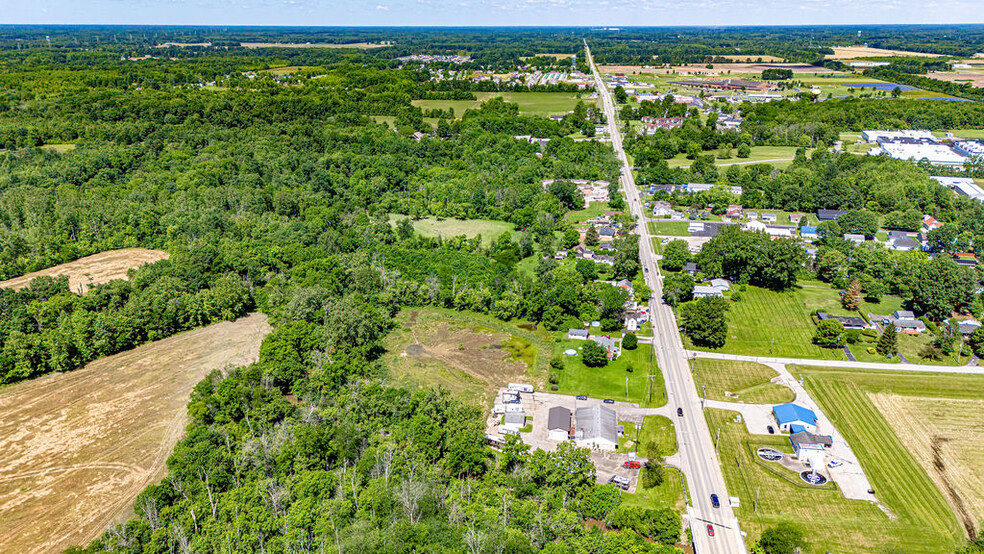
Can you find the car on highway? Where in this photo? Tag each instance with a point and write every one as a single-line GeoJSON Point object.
{"type": "Point", "coordinates": [710, 530]}
{"type": "Point", "coordinates": [771, 430]}
{"type": "Point", "coordinates": [608, 401]}
{"type": "Point", "coordinates": [714, 501]}
{"type": "Point", "coordinates": [632, 464]}
{"type": "Point", "coordinates": [680, 412]}
{"type": "Point", "coordinates": [581, 397]}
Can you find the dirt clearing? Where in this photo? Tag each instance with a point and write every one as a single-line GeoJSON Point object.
{"type": "Point", "coordinates": [429, 348]}
{"type": "Point", "coordinates": [93, 270]}
{"type": "Point", "coordinates": [851, 52]}
{"type": "Point", "coordinates": [974, 79]}
{"type": "Point", "coordinates": [78, 447]}
{"type": "Point", "coordinates": [946, 437]}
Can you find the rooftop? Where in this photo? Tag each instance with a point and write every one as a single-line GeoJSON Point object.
{"type": "Point", "coordinates": [788, 413]}
{"type": "Point", "coordinates": [597, 422]}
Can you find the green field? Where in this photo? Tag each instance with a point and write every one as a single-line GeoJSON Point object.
{"type": "Point", "coordinates": [831, 522]}
{"type": "Point", "coordinates": [749, 382]}
{"type": "Point", "coordinates": [759, 154]}
{"type": "Point", "coordinates": [594, 209]}
{"type": "Point", "coordinates": [962, 133]}
{"type": "Point", "coordinates": [670, 228]}
{"type": "Point", "coordinates": [900, 482]}
{"type": "Point", "coordinates": [532, 103]}
{"type": "Point", "coordinates": [447, 228]}
{"type": "Point", "coordinates": [669, 494]}
{"type": "Point", "coordinates": [610, 381]}
{"type": "Point", "coordinates": [657, 431]}
{"type": "Point", "coordinates": [767, 323]}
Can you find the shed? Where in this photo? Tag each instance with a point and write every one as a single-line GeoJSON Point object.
{"type": "Point", "coordinates": [559, 423]}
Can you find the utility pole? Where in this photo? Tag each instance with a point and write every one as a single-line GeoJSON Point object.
{"type": "Point", "coordinates": [626, 388]}
{"type": "Point", "coordinates": [716, 439]}
{"type": "Point", "coordinates": [756, 500]}
{"type": "Point", "coordinates": [703, 395]}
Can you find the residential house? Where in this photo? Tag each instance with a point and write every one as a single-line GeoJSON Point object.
{"type": "Point", "coordinates": [904, 315]}
{"type": "Point", "coordinates": [968, 326]}
{"type": "Point", "coordinates": [609, 344]}
{"type": "Point", "coordinates": [793, 418]}
{"type": "Point", "coordinates": [795, 218]}
{"type": "Point", "coordinates": [634, 320]}
{"type": "Point", "coordinates": [560, 255]}
{"type": "Point", "coordinates": [854, 237]}
{"type": "Point", "coordinates": [703, 291]}
{"type": "Point", "coordinates": [910, 326]}
{"type": "Point", "coordinates": [903, 243]}
{"type": "Point", "coordinates": [752, 216]}
{"type": "Point", "coordinates": [929, 223]}
{"type": "Point", "coordinates": [577, 334]}
{"type": "Point", "coordinates": [596, 427]}
{"type": "Point", "coordinates": [558, 423]}
{"type": "Point", "coordinates": [626, 285]}
{"type": "Point", "coordinates": [780, 231]}
{"type": "Point", "coordinates": [607, 233]}
{"type": "Point", "coordinates": [604, 259]}
{"type": "Point", "coordinates": [769, 217]}
{"type": "Point", "coordinates": [734, 211]}
{"type": "Point", "coordinates": [829, 215]}
{"type": "Point", "coordinates": [691, 268]}
{"type": "Point", "coordinates": [662, 208]}
{"type": "Point", "coordinates": [849, 322]}
{"type": "Point", "coordinates": [808, 232]}
{"type": "Point", "coordinates": [811, 448]}
{"type": "Point", "coordinates": [721, 284]}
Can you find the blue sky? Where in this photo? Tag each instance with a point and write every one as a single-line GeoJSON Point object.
{"type": "Point", "coordinates": [491, 12]}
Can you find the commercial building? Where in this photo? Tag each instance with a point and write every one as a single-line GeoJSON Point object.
{"type": "Point", "coordinates": [596, 427]}
{"type": "Point", "coordinates": [727, 84]}
{"type": "Point", "coordinates": [971, 149]}
{"type": "Point", "coordinates": [558, 423]}
{"type": "Point", "coordinates": [914, 137]}
{"type": "Point", "coordinates": [793, 418]}
{"type": "Point", "coordinates": [936, 154]}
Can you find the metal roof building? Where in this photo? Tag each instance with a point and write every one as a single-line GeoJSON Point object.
{"type": "Point", "coordinates": [596, 427]}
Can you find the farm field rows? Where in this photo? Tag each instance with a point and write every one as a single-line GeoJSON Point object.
{"type": "Point", "coordinates": [79, 446]}
{"type": "Point", "coordinates": [851, 400]}
{"type": "Point", "coordinates": [93, 270]}
{"type": "Point", "coordinates": [749, 382]}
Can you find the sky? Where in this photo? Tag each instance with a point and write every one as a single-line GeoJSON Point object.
{"type": "Point", "coordinates": [490, 12]}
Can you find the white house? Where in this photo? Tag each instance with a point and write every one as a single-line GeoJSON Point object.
{"type": "Point", "coordinates": [702, 291]}
{"type": "Point", "coordinates": [721, 284]}
{"type": "Point", "coordinates": [854, 237]}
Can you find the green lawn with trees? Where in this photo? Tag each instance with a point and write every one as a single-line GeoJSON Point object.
{"type": "Point", "coordinates": [609, 381]}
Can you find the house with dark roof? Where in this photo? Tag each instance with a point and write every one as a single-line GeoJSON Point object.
{"type": "Point", "coordinates": [691, 268]}
{"type": "Point", "coordinates": [558, 423]}
{"type": "Point", "coordinates": [830, 215]}
{"type": "Point", "coordinates": [811, 448]}
{"type": "Point", "coordinates": [849, 322]}
{"type": "Point", "coordinates": [577, 334]}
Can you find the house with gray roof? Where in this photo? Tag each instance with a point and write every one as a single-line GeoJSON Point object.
{"type": "Point", "coordinates": [596, 427]}
{"type": "Point", "coordinates": [558, 423]}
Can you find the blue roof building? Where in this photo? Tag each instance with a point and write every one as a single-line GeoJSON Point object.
{"type": "Point", "coordinates": [793, 419]}
{"type": "Point", "coordinates": [808, 232]}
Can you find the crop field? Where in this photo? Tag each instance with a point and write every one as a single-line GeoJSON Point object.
{"type": "Point", "coordinates": [852, 52]}
{"type": "Point", "coordinates": [469, 354]}
{"type": "Point", "coordinates": [79, 446]}
{"type": "Point", "coordinates": [532, 103]}
{"type": "Point", "coordinates": [831, 522]}
{"type": "Point", "coordinates": [93, 270]}
{"type": "Point", "coordinates": [450, 227]}
{"type": "Point", "coordinates": [869, 407]}
{"type": "Point", "coordinates": [747, 382]}
{"type": "Point", "coordinates": [633, 368]}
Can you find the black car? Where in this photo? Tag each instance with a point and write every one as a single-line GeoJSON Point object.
{"type": "Point", "coordinates": [609, 401]}
{"type": "Point", "coordinates": [680, 412]}
{"type": "Point", "coordinates": [581, 397]}
{"type": "Point", "coordinates": [771, 430]}
{"type": "Point", "coordinates": [714, 501]}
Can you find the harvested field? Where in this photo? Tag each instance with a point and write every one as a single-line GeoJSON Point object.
{"type": "Point", "coordinates": [719, 68]}
{"type": "Point", "coordinates": [975, 79]}
{"type": "Point", "coordinates": [851, 52]}
{"type": "Point", "coordinates": [358, 45]}
{"type": "Point", "coordinates": [78, 447]}
{"type": "Point", "coordinates": [93, 270]}
{"type": "Point", "coordinates": [946, 437]}
{"type": "Point", "coordinates": [462, 352]}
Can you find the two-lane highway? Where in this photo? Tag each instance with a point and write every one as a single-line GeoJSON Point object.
{"type": "Point", "coordinates": [699, 461]}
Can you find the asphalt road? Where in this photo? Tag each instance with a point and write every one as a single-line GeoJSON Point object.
{"type": "Point", "coordinates": [698, 459]}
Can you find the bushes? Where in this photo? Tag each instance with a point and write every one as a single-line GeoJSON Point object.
{"type": "Point", "coordinates": [630, 341]}
{"type": "Point", "coordinates": [594, 355]}
{"type": "Point", "coordinates": [661, 525]}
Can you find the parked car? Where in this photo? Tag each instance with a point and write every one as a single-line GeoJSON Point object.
{"type": "Point", "coordinates": [581, 397]}
{"type": "Point", "coordinates": [609, 401]}
{"type": "Point", "coordinates": [620, 482]}
{"type": "Point", "coordinates": [714, 501]}
{"type": "Point", "coordinates": [710, 530]}
{"type": "Point", "coordinates": [771, 430]}
{"type": "Point", "coordinates": [680, 412]}
{"type": "Point", "coordinates": [632, 464]}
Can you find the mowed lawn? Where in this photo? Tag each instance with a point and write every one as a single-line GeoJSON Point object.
{"type": "Point", "coordinates": [768, 323]}
{"type": "Point", "coordinates": [747, 382]}
{"type": "Point", "coordinates": [450, 227]}
{"type": "Point", "coordinates": [759, 154]}
{"type": "Point", "coordinates": [610, 381]}
{"type": "Point", "coordinates": [899, 481]}
{"type": "Point", "coordinates": [530, 103]}
{"type": "Point", "coordinates": [831, 522]}
{"type": "Point", "coordinates": [670, 228]}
